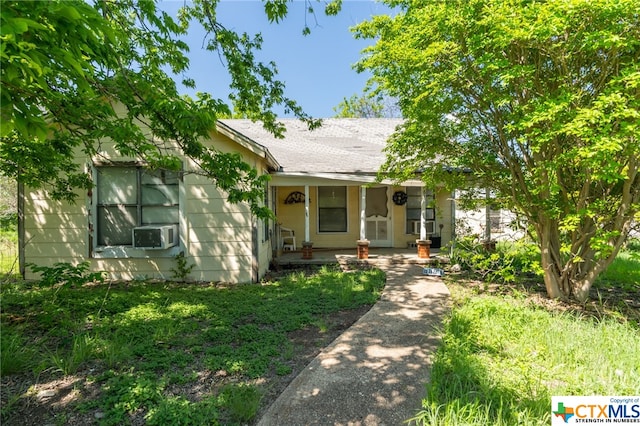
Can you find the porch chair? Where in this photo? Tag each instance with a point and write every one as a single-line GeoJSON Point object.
{"type": "Point", "coordinates": [288, 239]}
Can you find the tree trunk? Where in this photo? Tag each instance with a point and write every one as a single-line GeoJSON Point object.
{"type": "Point", "coordinates": [564, 276]}
{"type": "Point", "coordinates": [552, 279]}
{"type": "Point", "coordinates": [581, 289]}
{"type": "Point", "coordinates": [552, 276]}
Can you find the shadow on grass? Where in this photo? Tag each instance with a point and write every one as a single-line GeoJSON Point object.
{"type": "Point", "coordinates": [143, 344]}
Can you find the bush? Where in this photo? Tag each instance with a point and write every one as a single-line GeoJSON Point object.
{"type": "Point", "coordinates": [8, 222]}
{"type": "Point", "coordinates": [66, 274]}
{"type": "Point", "coordinates": [503, 264]}
{"type": "Point", "coordinates": [632, 245]}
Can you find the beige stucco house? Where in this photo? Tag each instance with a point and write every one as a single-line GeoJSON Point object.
{"type": "Point", "coordinates": [322, 188]}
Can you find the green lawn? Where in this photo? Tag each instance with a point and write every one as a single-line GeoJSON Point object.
{"type": "Point", "coordinates": [165, 353]}
{"type": "Point", "coordinates": [504, 356]}
{"type": "Point", "coordinates": [624, 271]}
{"type": "Point", "coordinates": [8, 251]}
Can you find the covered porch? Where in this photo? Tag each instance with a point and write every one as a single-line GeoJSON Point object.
{"type": "Point", "coordinates": [317, 215]}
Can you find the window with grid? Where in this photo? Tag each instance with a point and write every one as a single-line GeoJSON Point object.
{"type": "Point", "coordinates": [332, 209]}
{"type": "Point", "coordinates": [495, 218]}
{"type": "Point", "coordinates": [414, 200]}
{"type": "Point", "coordinates": [129, 196]}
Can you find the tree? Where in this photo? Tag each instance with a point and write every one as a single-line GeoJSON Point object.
{"type": "Point", "coordinates": [367, 105]}
{"type": "Point", "coordinates": [67, 64]}
{"type": "Point", "coordinates": [8, 201]}
{"type": "Point", "coordinates": [539, 101]}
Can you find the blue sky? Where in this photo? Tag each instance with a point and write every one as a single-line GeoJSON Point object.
{"type": "Point", "coordinates": [317, 68]}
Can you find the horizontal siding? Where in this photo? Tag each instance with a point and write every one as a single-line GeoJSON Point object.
{"type": "Point", "coordinates": [55, 249]}
{"type": "Point", "coordinates": [213, 234]}
{"type": "Point", "coordinates": [216, 206]}
{"type": "Point", "coordinates": [129, 269]}
{"type": "Point", "coordinates": [217, 235]}
{"type": "Point", "coordinates": [228, 269]}
{"type": "Point", "coordinates": [78, 220]}
{"type": "Point", "coordinates": [50, 235]}
{"type": "Point", "coordinates": [207, 220]}
{"type": "Point", "coordinates": [227, 249]}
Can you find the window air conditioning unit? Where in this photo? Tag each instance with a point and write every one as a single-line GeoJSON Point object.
{"type": "Point", "coordinates": [429, 225]}
{"type": "Point", "coordinates": [155, 237]}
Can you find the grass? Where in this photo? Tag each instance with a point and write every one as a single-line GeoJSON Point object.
{"type": "Point", "coordinates": [505, 353]}
{"type": "Point", "coordinates": [135, 344]}
{"type": "Point", "coordinates": [8, 250]}
{"type": "Point", "coordinates": [624, 272]}
{"type": "Point", "coordinates": [502, 358]}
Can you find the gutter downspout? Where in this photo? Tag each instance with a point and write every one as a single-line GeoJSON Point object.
{"type": "Point", "coordinates": [255, 249]}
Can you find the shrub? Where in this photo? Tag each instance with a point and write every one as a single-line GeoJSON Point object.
{"type": "Point", "coordinates": [503, 264]}
{"type": "Point", "coordinates": [66, 274]}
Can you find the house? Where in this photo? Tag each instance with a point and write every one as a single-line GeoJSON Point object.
{"type": "Point", "coordinates": [485, 220]}
{"type": "Point", "coordinates": [323, 191]}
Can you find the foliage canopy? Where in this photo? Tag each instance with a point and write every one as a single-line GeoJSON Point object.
{"type": "Point", "coordinates": [540, 101]}
{"type": "Point", "coordinates": [67, 64]}
{"type": "Point", "coordinates": [367, 105]}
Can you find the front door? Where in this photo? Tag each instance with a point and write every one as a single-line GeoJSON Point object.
{"type": "Point", "coordinates": [378, 217]}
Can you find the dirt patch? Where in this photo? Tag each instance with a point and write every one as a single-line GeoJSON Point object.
{"type": "Point", "coordinates": [49, 399]}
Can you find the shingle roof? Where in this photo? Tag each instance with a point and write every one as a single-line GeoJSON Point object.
{"type": "Point", "coordinates": [340, 145]}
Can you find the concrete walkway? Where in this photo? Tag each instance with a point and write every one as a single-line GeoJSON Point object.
{"type": "Point", "coordinates": [375, 372]}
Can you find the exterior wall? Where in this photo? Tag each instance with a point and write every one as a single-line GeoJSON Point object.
{"type": "Point", "coordinates": [218, 239]}
{"type": "Point", "coordinates": [473, 222]}
{"type": "Point", "coordinates": [292, 216]}
{"type": "Point", "coordinates": [55, 231]}
{"type": "Point", "coordinates": [442, 217]}
{"type": "Point", "coordinates": [216, 236]}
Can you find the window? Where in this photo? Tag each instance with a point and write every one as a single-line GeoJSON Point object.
{"type": "Point", "coordinates": [495, 218]}
{"type": "Point", "coordinates": [332, 209]}
{"type": "Point", "coordinates": [132, 196]}
{"type": "Point", "coordinates": [414, 200]}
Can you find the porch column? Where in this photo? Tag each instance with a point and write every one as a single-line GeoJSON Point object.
{"type": "Point", "coordinates": [423, 243]}
{"type": "Point", "coordinates": [306, 213]}
{"type": "Point", "coordinates": [363, 243]}
{"type": "Point", "coordinates": [363, 214]}
{"type": "Point", "coordinates": [423, 214]}
{"type": "Point", "coordinates": [307, 245]}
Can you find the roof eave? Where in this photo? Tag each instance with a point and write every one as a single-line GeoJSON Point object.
{"type": "Point", "coordinates": [248, 143]}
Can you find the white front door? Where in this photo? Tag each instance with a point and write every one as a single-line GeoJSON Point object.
{"type": "Point", "coordinates": [378, 217]}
